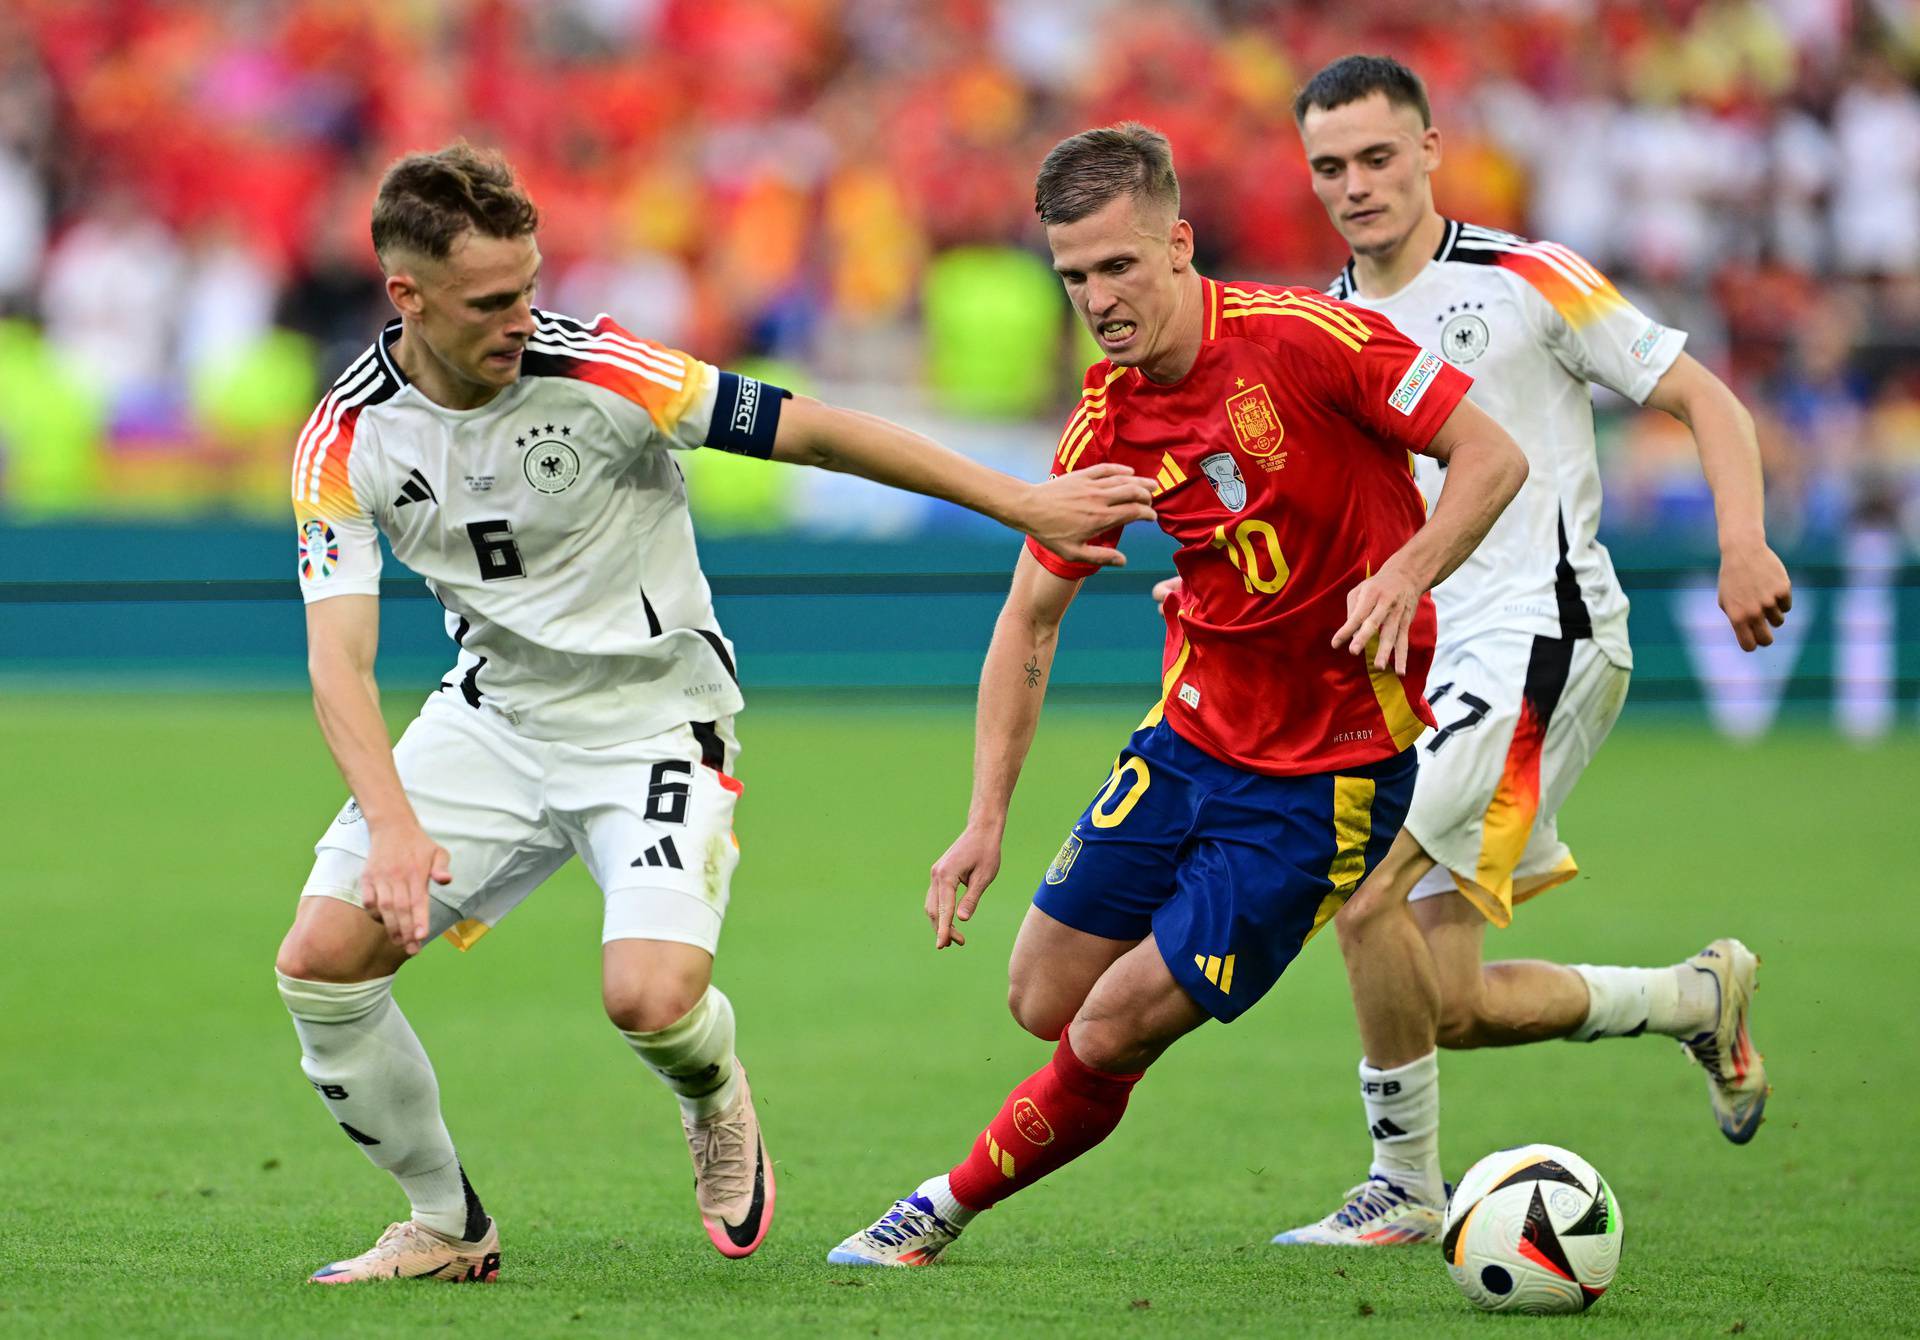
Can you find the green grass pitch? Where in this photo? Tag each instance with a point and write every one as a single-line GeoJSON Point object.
{"type": "Point", "coordinates": [164, 1169]}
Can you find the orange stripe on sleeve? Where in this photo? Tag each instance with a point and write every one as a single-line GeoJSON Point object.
{"type": "Point", "coordinates": [1577, 291]}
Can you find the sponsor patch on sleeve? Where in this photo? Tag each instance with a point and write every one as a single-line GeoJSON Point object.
{"type": "Point", "coordinates": [745, 414]}
{"type": "Point", "coordinates": [1649, 340]}
{"type": "Point", "coordinates": [1414, 385]}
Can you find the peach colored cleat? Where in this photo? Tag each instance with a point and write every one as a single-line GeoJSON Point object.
{"type": "Point", "coordinates": [732, 1176]}
{"type": "Point", "coordinates": [414, 1251]}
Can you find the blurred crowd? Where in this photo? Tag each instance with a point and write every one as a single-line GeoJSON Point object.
{"type": "Point", "coordinates": [842, 190]}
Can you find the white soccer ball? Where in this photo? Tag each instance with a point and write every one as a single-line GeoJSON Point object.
{"type": "Point", "coordinates": [1534, 1229]}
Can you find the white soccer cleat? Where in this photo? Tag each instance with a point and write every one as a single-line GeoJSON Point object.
{"type": "Point", "coordinates": [732, 1176]}
{"type": "Point", "coordinates": [912, 1233]}
{"type": "Point", "coordinates": [1377, 1214]}
{"type": "Point", "coordinates": [415, 1252]}
{"type": "Point", "coordinates": [1736, 1072]}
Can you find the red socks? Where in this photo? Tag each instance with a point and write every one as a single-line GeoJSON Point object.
{"type": "Point", "coordinates": [1051, 1118]}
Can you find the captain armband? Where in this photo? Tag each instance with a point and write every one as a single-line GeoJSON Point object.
{"type": "Point", "coordinates": [745, 414]}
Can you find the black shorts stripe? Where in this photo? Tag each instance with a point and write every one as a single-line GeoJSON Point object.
{"type": "Point", "coordinates": [713, 750]}
{"type": "Point", "coordinates": [1576, 620]}
{"type": "Point", "coordinates": [470, 682]}
{"type": "Point", "coordinates": [1548, 667]}
{"type": "Point", "coordinates": [653, 620]}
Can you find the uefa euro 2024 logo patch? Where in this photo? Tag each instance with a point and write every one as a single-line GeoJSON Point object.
{"type": "Point", "coordinates": [319, 549]}
{"type": "Point", "coordinates": [1224, 474]}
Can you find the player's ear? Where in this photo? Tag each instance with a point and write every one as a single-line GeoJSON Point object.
{"type": "Point", "coordinates": [403, 291]}
{"type": "Point", "coordinates": [1430, 149]}
{"type": "Point", "coordinates": [1180, 245]}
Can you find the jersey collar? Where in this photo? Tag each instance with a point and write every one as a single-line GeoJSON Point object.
{"type": "Point", "coordinates": [389, 336]}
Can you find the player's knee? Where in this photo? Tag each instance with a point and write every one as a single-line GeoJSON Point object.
{"type": "Point", "coordinates": [312, 956]}
{"type": "Point", "coordinates": [1045, 1018]}
{"type": "Point", "coordinates": [1459, 1025]}
{"type": "Point", "coordinates": [1112, 1043]}
{"type": "Point", "coordinates": [650, 1006]}
{"type": "Point", "coordinates": [1356, 917]}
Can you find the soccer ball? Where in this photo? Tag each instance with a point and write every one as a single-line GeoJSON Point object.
{"type": "Point", "coordinates": [1534, 1229]}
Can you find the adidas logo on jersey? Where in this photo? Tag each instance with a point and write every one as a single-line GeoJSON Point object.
{"type": "Point", "coordinates": [416, 489]}
{"type": "Point", "coordinates": [663, 854]}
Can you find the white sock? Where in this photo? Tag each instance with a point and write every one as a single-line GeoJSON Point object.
{"type": "Point", "coordinates": [1403, 1117]}
{"type": "Point", "coordinates": [1678, 1001]}
{"type": "Point", "coordinates": [936, 1190]}
{"type": "Point", "coordinates": [693, 1056]}
{"type": "Point", "coordinates": [362, 1058]}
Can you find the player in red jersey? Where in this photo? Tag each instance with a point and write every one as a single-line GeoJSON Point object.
{"type": "Point", "coordinates": [1277, 767]}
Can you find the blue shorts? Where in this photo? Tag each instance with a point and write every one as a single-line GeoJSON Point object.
{"type": "Point", "coordinates": [1231, 871]}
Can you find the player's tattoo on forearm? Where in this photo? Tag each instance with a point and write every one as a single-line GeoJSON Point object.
{"type": "Point", "coordinates": [1032, 667]}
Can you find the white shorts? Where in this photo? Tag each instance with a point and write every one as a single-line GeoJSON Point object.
{"type": "Point", "coordinates": [1520, 718]}
{"type": "Point", "coordinates": [652, 818]}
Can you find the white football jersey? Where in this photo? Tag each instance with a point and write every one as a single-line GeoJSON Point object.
{"type": "Point", "coordinates": [1533, 324]}
{"type": "Point", "coordinates": [551, 523]}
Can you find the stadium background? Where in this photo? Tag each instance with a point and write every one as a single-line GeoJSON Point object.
{"type": "Point", "coordinates": [839, 195]}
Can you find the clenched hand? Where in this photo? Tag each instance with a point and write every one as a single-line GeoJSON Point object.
{"type": "Point", "coordinates": [1755, 593]}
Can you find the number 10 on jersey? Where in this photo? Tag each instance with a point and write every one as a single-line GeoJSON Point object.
{"type": "Point", "coordinates": [1254, 548]}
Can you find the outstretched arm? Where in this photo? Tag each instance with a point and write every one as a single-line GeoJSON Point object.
{"type": "Point", "coordinates": [1755, 592]}
{"type": "Point", "coordinates": [1063, 514]}
{"type": "Point", "coordinates": [1485, 468]}
{"type": "Point", "coordinates": [1013, 684]}
{"type": "Point", "coordinates": [343, 633]}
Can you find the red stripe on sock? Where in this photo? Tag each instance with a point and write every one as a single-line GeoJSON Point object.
{"type": "Point", "coordinates": [1052, 1117]}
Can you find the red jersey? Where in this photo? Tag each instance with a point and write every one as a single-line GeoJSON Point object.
{"type": "Point", "coordinates": [1284, 468]}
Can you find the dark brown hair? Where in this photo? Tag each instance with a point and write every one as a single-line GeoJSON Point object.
{"type": "Point", "coordinates": [426, 201]}
{"type": "Point", "coordinates": [1352, 78]}
{"type": "Point", "coordinates": [1085, 173]}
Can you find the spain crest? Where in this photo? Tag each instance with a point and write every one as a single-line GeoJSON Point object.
{"type": "Point", "coordinates": [1064, 861]}
{"type": "Point", "coordinates": [1255, 424]}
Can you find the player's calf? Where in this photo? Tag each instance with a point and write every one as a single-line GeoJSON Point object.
{"type": "Point", "coordinates": [1052, 1117]}
{"type": "Point", "coordinates": [365, 1063]}
{"type": "Point", "coordinates": [732, 1175]}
